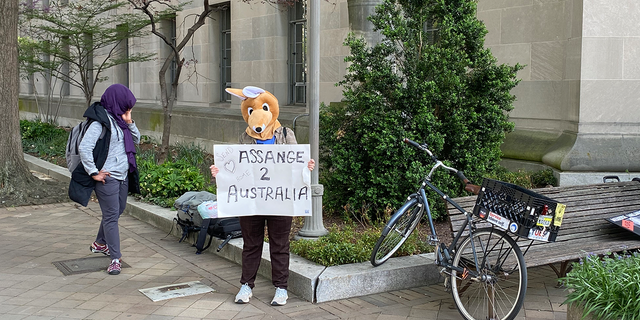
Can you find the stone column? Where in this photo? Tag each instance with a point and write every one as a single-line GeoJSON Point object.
{"type": "Point", "coordinates": [359, 11]}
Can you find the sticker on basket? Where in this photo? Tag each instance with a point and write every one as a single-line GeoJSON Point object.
{"type": "Point", "coordinates": [513, 227]}
{"type": "Point", "coordinates": [544, 221]}
{"type": "Point", "coordinates": [627, 224]}
{"type": "Point", "coordinates": [557, 221]}
{"type": "Point", "coordinates": [539, 234]}
{"type": "Point", "coordinates": [498, 220]}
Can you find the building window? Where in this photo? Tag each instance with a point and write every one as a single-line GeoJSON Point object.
{"type": "Point", "coordinates": [65, 69]}
{"type": "Point", "coordinates": [168, 28]}
{"type": "Point", "coordinates": [173, 35]}
{"type": "Point", "coordinates": [87, 45]}
{"type": "Point", "coordinates": [225, 55]}
{"type": "Point", "coordinates": [432, 29]}
{"type": "Point", "coordinates": [121, 71]}
{"type": "Point", "coordinates": [298, 53]}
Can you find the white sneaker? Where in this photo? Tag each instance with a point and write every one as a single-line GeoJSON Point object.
{"type": "Point", "coordinates": [280, 298]}
{"type": "Point", "coordinates": [244, 294]}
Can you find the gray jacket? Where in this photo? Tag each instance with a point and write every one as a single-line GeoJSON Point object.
{"type": "Point", "coordinates": [116, 163]}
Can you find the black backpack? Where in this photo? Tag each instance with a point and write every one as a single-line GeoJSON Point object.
{"type": "Point", "coordinates": [190, 221]}
{"type": "Point", "coordinates": [221, 228]}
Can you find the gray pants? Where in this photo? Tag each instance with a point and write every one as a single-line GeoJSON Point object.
{"type": "Point", "coordinates": [112, 196]}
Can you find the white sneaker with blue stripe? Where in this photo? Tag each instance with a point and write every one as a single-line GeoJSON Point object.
{"type": "Point", "coordinates": [280, 298]}
{"type": "Point", "coordinates": [244, 294]}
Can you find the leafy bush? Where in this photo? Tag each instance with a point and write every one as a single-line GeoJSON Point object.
{"type": "Point", "coordinates": [190, 153]}
{"type": "Point", "coordinates": [347, 245]}
{"type": "Point", "coordinates": [431, 80]}
{"type": "Point", "coordinates": [162, 184]}
{"type": "Point", "coordinates": [31, 130]}
{"type": "Point", "coordinates": [544, 178]}
{"type": "Point", "coordinates": [525, 179]}
{"type": "Point", "coordinates": [43, 139]}
{"type": "Point", "coordinates": [606, 287]}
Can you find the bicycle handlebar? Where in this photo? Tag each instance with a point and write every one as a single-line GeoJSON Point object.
{"type": "Point", "coordinates": [411, 142]}
{"type": "Point", "coordinates": [421, 147]}
{"type": "Point", "coordinates": [468, 186]}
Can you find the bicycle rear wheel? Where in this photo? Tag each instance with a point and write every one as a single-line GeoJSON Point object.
{"type": "Point", "coordinates": [396, 232]}
{"type": "Point", "coordinates": [498, 292]}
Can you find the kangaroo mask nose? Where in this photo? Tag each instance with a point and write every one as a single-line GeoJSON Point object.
{"type": "Point", "coordinates": [258, 129]}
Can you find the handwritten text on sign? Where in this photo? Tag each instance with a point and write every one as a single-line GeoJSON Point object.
{"type": "Point", "coordinates": [263, 180]}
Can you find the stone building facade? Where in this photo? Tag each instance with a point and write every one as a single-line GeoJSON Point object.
{"type": "Point", "coordinates": [576, 108]}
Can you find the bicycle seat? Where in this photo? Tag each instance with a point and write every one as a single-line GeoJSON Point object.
{"type": "Point", "coordinates": [472, 188]}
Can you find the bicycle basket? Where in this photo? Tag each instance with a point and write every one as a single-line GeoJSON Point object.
{"type": "Point", "coordinates": [519, 210]}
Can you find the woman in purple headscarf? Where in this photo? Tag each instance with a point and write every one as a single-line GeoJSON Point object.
{"type": "Point", "coordinates": [107, 152]}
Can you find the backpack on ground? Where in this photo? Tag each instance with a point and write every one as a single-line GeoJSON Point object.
{"type": "Point", "coordinates": [191, 221]}
{"type": "Point", "coordinates": [221, 228]}
{"type": "Point", "coordinates": [73, 143]}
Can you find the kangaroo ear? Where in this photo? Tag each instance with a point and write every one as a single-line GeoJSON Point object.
{"type": "Point", "coordinates": [236, 92]}
{"type": "Point", "coordinates": [252, 92]}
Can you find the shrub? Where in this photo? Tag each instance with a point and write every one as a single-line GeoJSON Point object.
{"type": "Point", "coordinates": [431, 80]}
{"type": "Point", "coordinates": [347, 245]}
{"type": "Point", "coordinates": [606, 287]}
{"type": "Point", "coordinates": [525, 179]}
{"type": "Point", "coordinates": [162, 184]}
{"type": "Point", "coordinates": [43, 139]}
{"type": "Point", "coordinates": [544, 178]}
{"type": "Point", "coordinates": [31, 130]}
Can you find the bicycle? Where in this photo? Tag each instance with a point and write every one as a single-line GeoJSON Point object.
{"type": "Point", "coordinates": [486, 271]}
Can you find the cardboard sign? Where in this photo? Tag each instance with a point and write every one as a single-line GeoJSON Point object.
{"type": "Point", "coordinates": [263, 180]}
{"type": "Point", "coordinates": [629, 221]}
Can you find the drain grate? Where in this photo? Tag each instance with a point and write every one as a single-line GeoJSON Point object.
{"type": "Point", "coordinates": [85, 265]}
{"type": "Point", "coordinates": [176, 290]}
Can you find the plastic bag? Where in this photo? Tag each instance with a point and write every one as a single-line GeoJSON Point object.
{"type": "Point", "coordinates": [208, 209]}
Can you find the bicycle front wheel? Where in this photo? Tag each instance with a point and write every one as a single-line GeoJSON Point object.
{"type": "Point", "coordinates": [396, 232]}
{"type": "Point", "coordinates": [498, 291]}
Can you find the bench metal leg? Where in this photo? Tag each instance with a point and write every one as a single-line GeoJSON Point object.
{"type": "Point", "coordinates": [565, 267]}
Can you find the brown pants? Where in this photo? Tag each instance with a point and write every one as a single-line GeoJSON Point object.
{"type": "Point", "coordinates": [279, 228]}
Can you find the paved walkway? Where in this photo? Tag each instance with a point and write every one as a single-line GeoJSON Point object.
{"type": "Point", "coordinates": [31, 287]}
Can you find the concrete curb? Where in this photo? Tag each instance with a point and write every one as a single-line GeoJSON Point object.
{"type": "Point", "coordinates": [308, 280]}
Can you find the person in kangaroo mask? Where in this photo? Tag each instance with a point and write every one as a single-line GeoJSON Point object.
{"type": "Point", "coordinates": [260, 110]}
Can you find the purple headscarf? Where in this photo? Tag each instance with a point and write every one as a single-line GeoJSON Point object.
{"type": "Point", "coordinates": [117, 100]}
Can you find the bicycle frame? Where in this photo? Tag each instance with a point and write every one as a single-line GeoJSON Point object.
{"type": "Point", "coordinates": [421, 197]}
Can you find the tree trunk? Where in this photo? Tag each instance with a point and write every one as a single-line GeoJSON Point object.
{"type": "Point", "coordinates": [166, 134]}
{"type": "Point", "coordinates": [14, 173]}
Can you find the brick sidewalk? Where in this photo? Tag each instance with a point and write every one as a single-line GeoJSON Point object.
{"type": "Point", "coordinates": [31, 287]}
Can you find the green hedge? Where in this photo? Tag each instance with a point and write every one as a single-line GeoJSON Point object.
{"type": "Point", "coordinates": [430, 80]}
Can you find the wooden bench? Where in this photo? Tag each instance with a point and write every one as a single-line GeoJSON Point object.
{"type": "Point", "coordinates": [584, 228]}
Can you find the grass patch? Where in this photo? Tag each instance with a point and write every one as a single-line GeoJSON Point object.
{"type": "Point", "coordinates": [350, 243]}
{"type": "Point", "coordinates": [606, 286]}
